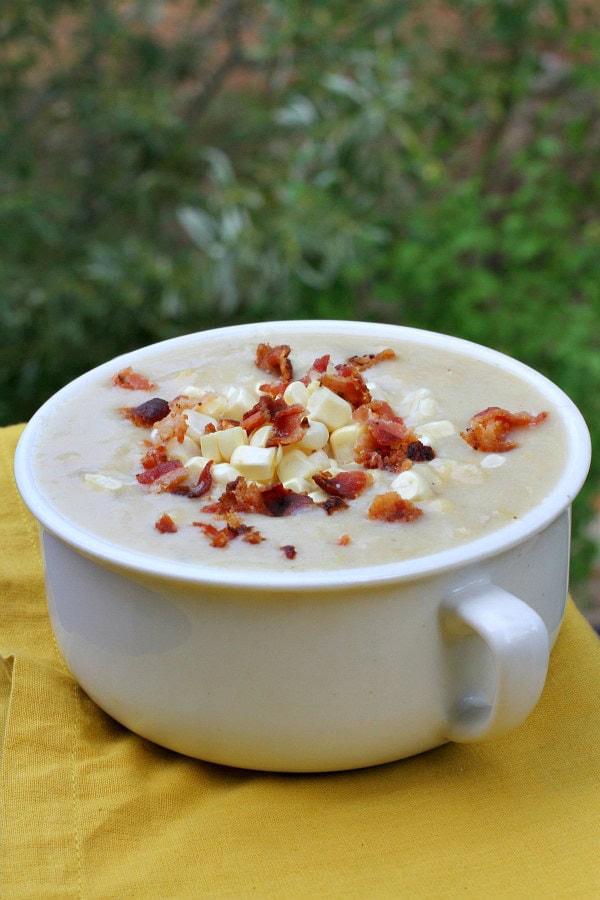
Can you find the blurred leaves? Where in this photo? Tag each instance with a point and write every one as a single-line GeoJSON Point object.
{"type": "Point", "coordinates": [170, 166]}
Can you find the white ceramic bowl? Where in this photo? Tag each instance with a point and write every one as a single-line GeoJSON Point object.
{"type": "Point", "coordinates": [313, 671]}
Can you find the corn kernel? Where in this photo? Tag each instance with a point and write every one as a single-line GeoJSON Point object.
{"type": "Point", "coordinates": [224, 472]}
{"type": "Point", "coordinates": [342, 442]}
{"type": "Point", "coordinates": [102, 482]}
{"type": "Point", "coordinates": [213, 406]}
{"type": "Point", "coordinates": [261, 436]}
{"type": "Point", "coordinates": [209, 446]}
{"type": "Point", "coordinates": [230, 438]}
{"type": "Point", "coordinates": [239, 401]}
{"type": "Point", "coordinates": [295, 464]}
{"type": "Point", "coordinates": [411, 485]}
{"type": "Point", "coordinates": [315, 436]}
{"type": "Point", "coordinates": [326, 407]}
{"type": "Point", "coordinates": [433, 431]}
{"type": "Point", "coordinates": [296, 392]}
{"type": "Point", "coordinates": [255, 463]}
{"type": "Point", "coordinates": [298, 485]}
{"type": "Point", "coordinates": [195, 466]}
{"type": "Point", "coordinates": [197, 422]}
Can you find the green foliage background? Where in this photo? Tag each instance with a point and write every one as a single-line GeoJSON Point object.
{"type": "Point", "coordinates": [171, 166]}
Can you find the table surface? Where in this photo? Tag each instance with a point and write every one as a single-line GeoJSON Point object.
{"type": "Point", "coordinates": [89, 809]}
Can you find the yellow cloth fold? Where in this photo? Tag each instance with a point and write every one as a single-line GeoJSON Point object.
{"type": "Point", "coordinates": [89, 810]}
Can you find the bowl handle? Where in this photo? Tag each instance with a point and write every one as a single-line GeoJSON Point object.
{"type": "Point", "coordinates": [497, 650]}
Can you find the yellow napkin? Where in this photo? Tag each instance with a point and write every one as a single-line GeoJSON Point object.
{"type": "Point", "coordinates": [90, 810]}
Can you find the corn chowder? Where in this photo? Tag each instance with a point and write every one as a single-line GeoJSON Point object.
{"type": "Point", "coordinates": [313, 454]}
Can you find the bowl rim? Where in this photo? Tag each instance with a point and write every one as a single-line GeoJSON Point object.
{"type": "Point", "coordinates": [144, 565]}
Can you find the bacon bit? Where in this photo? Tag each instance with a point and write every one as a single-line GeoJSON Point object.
{"type": "Point", "coordinates": [320, 364]}
{"type": "Point", "coordinates": [165, 524]}
{"type": "Point", "coordinates": [289, 425]}
{"type": "Point", "coordinates": [289, 551]}
{"type": "Point", "coordinates": [274, 389]}
{"type": "Point", "coordinates": [275, 360]}
{"type": "Point", "coordinates": [417, 451]}
{"type": "Point", "coordinates": [221, 537]}
{"type": "Point", "coordinates": [371, 359]}
{"type": "Point", "coordinates": [241, 497]}
{"type": "Point", "coordinates": [146, 414]}
{"type": "Point", "coordinates": [288, 421]}
{"type": "Point", "coordinates": [224, 424]}
{"type": "Point", "coordinates": [175, 424]}
{"type": "Point", "coordinates": [166, 476]}
{"type": "Point", "coordinates": [261, 413]}
{"type": "Point", "coordinates": [488, 430]}
{"type": "Point", "coordinates": [391, 507]}
{"type": "Point", "coordinates": [280, 501]}
{"type": "Point", "coordinates": [347, 485]}
{"type": "Point", "coordinates": [347, 382]}
{"type": "Point", "coordinates": [204, 483]}
{"type": "Point", "coordinates": [344, 540]}
{"type": "Point", "coordinates": [238, 497]}
{"type": "Point", "coordinates": [387, 442]}
{"type": "Point", "coordinates": [333, 504]}
{"type": "Point", "coordinates": [132, 381]}
{"type": "Point", "coordinates": [154, 456]}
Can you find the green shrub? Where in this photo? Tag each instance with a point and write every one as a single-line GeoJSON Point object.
{"type": "Point", "coordinates": [404, 162]}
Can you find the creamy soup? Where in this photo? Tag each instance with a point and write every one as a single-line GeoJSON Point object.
{"type": "Point", "coordinates": [401, 421]}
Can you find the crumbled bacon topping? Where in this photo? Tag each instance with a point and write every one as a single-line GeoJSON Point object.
{"type": "Point", "coordinates": [391, 507]}
{"type": "Point", "coordinates": [165, 524]}
{"type": "Point", "coordinates": [385, 442]}
{"type": "Point", "coordinates": [347, 485]}
{"type": "Point", "coordinates": [347, 382]}
{"type": "Point", "coordinates": [166, 476]}
{"type": "Point", "coordinates": [241, 496]}
{"type": "Point", "coordinates": [146, 414]}
{"type": "Point", "coordinates": [371, 359]}
{"type": "Point", "coordinates": [275, 360]}
{"type": "Point", "coordinates": [488, 430]}
{"type": "Point", "coordinates": [222, 537]}
{"type": "Point", "coordinates": [132, 381]}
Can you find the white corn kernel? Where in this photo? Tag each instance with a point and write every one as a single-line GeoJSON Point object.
{"type": "Point", "coordinates": [298, 485]}
{"type": "Point", "coordinates": [467, 473]}
{"type": "Point", "coordinates": [442, 467]}
{"type": "Point", "coordinates": [224, 472]}
{"type": "Point", "coordinates": [195, 466]}
{"type": "Point", "coordinates": [261, 436]}
{"type": "Point", "coordinates": [315, 436]}
{"type": "Point", "coordinates": [197, 422]}
{"type": "Point", "coordinates": [420, 404]}
{"type": "Point", "coordinates": [102, 482]}
{"type": "Point", "coordinates": [411, 485]}
{"type": "Point", "coordinates": [441, 505]}
{"type": "Point", "coordinates": [239, 401]}
{"type": "Point", "coordinates": [296, 392]}
{"type": "Point", "coordinates": [230, 438]}
{"type": "Point", "coordinates": [183, 450]}
{"type": "Point", "coordinates": [320, 460]}
{"type": "Point", "coordinates": [493, 460]}
{"type": "Point", "coordinates": [209, 446]}
{"type": "Point", "coordinates": [433, 431]}
{"type": "Point", "coordinates": [192, 390]}
{"type": "Point", "coordinates": [294, 464]}
{"type": "Point", "coordinates": [255, 463]}
{"type": "Point", "coordinates": [326, 407]}
{"type": "Point", "coordinates": [213, 406]}
{"type": "Point", "coordinates": [342, 442]}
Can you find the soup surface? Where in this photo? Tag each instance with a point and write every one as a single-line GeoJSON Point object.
{"type": "Point", "coordinates": [400, 421]}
